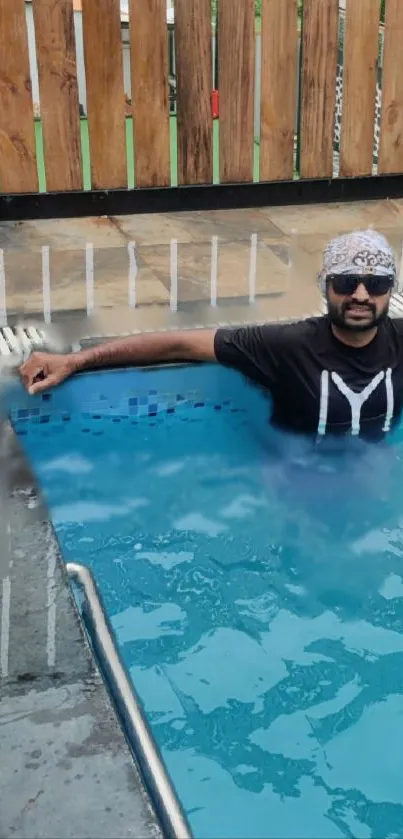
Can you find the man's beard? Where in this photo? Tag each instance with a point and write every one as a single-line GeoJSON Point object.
{"type": "Point", "coordinates": [337, 316]}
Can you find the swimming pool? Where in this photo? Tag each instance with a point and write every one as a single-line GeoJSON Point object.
{"type": "Point", "coordinates": [255, 588]}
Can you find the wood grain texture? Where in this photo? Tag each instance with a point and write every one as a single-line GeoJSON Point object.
{"type": "Point", "coordinates": [236, 55]}
{"type": "Point", "coordinates": [194, 85]}
{"type": "Point", "coordinates": [279, 80]}
{"type": "Point", "coordinates": [359, 87]}
{"type": "Point", "coordinates": [105, 93]}
{"type": "Point", "coordinates": [391, 140]}
{"type": "Point", "coordinates": [318, 87]}
{"type": "Point", "coordinates": [56, 55]}
{"type": "Point", "coordinates": [18, 171]}
{"type": "Point", "coordinates": [149, 65]}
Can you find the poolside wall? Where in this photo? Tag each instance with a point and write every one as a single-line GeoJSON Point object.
{"type": "Point", "coordinates": [336, 89]}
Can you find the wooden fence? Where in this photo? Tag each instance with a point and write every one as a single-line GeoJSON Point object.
{"type": "Point", "coordinates": [56, 142]}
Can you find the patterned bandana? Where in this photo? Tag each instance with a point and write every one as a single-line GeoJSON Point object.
{"type": "Point", "coordinates": [362, 252]}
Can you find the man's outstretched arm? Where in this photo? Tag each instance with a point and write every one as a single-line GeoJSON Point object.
{"type": "Point", "coordinates": [44, 370]}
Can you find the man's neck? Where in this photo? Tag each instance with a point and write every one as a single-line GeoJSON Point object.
{"type": "Point", "coordinates": [354, 339]}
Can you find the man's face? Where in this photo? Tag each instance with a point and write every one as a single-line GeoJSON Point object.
{"type": "Point", "coordinates": [358, 304]}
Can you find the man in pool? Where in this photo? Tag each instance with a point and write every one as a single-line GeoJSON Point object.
{"type": "Point", "coordinates": [337, 374]}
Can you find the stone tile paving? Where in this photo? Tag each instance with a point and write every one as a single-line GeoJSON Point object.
{"type": "Point", "coordinates": [257, 260]}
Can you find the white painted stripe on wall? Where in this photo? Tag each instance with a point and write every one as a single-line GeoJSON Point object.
{"type": "Point", "coordinates": [174, 275]}
{"type": "Point", "coordinates": [132, 273]}
{"type": "Point", "coordinates": [11, 339]}
{"type": "Point", "coordinates": [214, 270]}
{"type": "Point", "coordinates": [3, 305]}
{"type": "Point", "coordinates": [23, 340]}
{"type": "Point", "coordinates": [89, 277]}
{"type": "Point", "coordinates": [252, 268]}
{"type": "Point", "coordinates": [47, 307]}
{"type": "Point", "coordinates": [5, 626]}
{"type": "Point", "coordinates": [35, 336]}
{"type": "Point", "coordinates": [4, 348]}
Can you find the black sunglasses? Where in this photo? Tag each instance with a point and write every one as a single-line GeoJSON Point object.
{"type": "Point", "coordinates": [347, 284]}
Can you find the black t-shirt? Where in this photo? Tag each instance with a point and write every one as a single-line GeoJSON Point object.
{"type": "Point", "coordinates": [319, 385]}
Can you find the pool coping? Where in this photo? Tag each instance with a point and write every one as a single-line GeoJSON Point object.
{"type": "Point", "coordinates": [74, 330]}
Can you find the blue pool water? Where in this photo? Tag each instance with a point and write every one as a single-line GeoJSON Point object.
{"type": "Point", "coordinates": [255, 587]}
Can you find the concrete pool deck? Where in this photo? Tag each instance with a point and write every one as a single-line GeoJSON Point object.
{"type": "Point", "coordinates": [65, 769]}
{"type": "Point", "coordinates": [164, 270]}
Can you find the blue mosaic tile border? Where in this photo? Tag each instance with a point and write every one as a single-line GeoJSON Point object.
{"type": "Point", "coordinates": [143, 404]}
{"type": "Point", "coordinates": [133, 396]}
{"type": "Point", "coordinates": [147, 410]}
{"type": "Point", "coordinates": [147, 405]}
{"type": "Point", "coordinates": [127, 392]}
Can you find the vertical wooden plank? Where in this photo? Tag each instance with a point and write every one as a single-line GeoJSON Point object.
{"type": "Point", "coordinates": [359, 87]}
{"type": "Point", "coordinates": [278, 97]}
{"type": "Point", "coordinates": [149, 63]}
{"type": "Point", "coordinates": [55, 48]}
{"type": "Point", "coordinates": [18, 172]}
{"type": "Point", "coordinates": [105, 93]}
{"type": "Point", "coordinates": [194, 86]}
{"type": "Point", "coordinates": [318, 83]}
{"type": "Point", "coordinates": [236, 57]}
{"type": "Point", "coordinates": [391, 141]}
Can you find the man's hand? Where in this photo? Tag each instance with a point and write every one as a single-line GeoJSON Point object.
{"type": "Point", "coordinates": [44, 370]}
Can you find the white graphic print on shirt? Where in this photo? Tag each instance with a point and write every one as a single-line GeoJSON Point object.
{"type": "Point", "coordinates": [355, 400]}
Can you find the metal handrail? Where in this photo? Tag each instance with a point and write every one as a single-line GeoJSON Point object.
{"type": "Point", "coordinates": [172, 817]}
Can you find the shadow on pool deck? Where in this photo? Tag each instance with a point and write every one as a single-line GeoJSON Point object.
{"type": "Point", "coordinates": [65, 769]}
